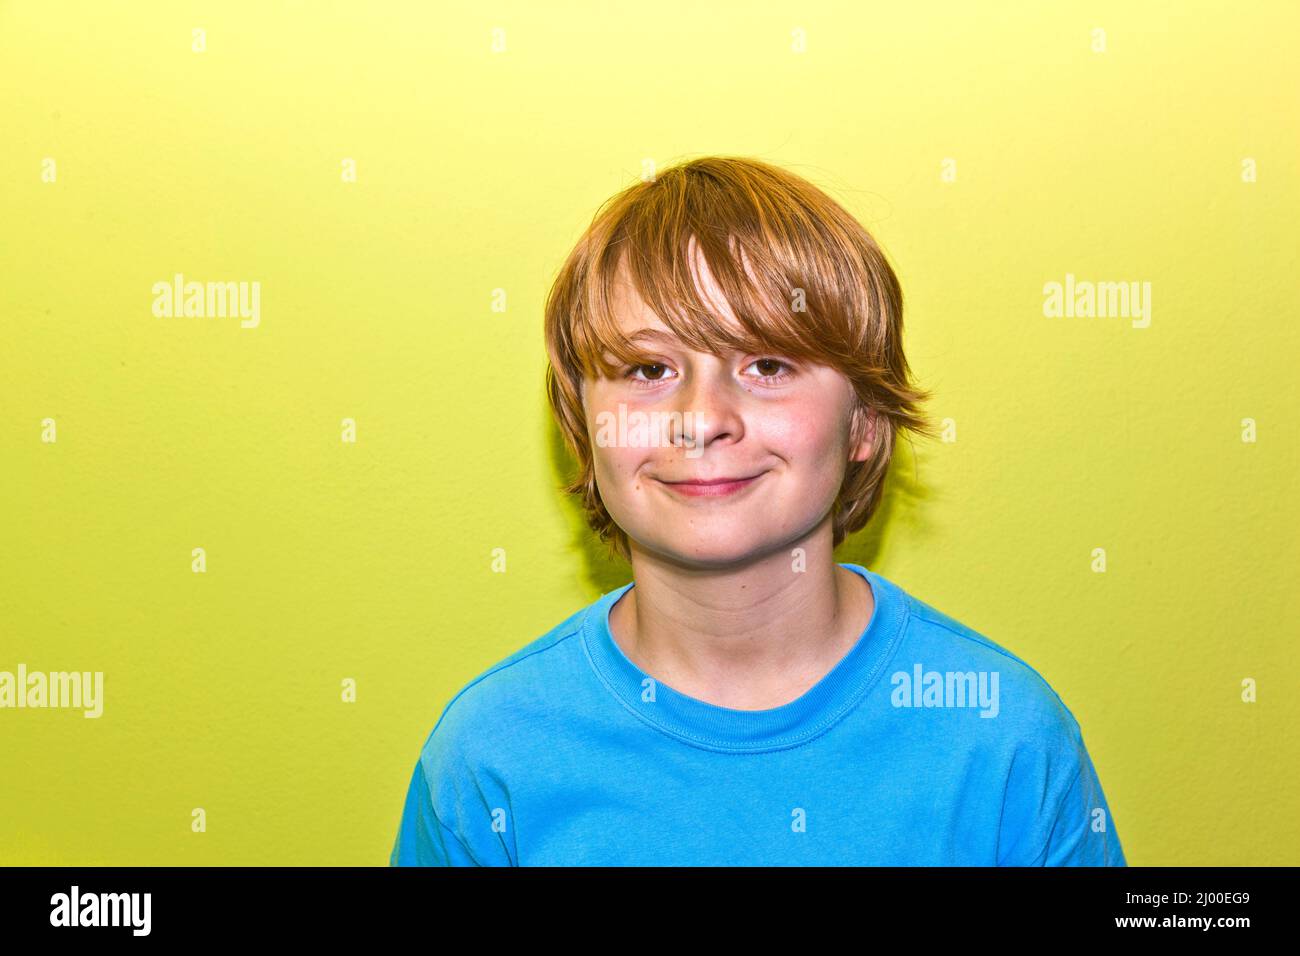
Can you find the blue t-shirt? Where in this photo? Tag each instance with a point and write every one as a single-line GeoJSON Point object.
{"type": "Point", "coordinates": [926, 745]}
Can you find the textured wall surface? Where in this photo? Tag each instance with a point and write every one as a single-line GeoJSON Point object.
{"type": "Point", "coordinates": [402, 184]}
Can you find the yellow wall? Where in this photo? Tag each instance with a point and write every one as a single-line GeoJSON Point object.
{"type": "Point", "coordinates": [476, 171]}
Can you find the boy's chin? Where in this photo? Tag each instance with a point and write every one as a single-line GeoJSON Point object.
{"type": "Point", "coordinates": [714, 551]}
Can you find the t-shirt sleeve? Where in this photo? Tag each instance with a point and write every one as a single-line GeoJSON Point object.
{"type": "Point", "coordinates": [1083, 831]}
{"type": "Point", "coordinates": [422, 839]}
{"type": "Point", "coordinates": [457, 804]}
{"type": "Point", "coordinates": [1054, 812]}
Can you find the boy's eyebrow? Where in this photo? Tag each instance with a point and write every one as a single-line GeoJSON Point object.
{"type": "Point", "coordinates": [657, 335]}
{"type": "Point", "coordinates": [652, 334]}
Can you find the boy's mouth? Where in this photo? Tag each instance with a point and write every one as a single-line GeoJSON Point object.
{"type": "Point", "coordinates": [710, 487]}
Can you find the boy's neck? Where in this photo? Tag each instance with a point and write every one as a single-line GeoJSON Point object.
{"type": "Point", "coordinates": [752, 640]}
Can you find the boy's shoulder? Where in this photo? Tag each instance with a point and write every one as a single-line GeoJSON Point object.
{"type": "Point", "coordinates": [512, 695]}
{"type": "Point", "coordinates": [528, 692]}
{"type": "Point", "coordinates": [937, 643]}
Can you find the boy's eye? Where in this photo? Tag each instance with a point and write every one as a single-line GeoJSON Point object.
{"type": "Point", "coordinates": [653, 377]}
{"type": "Point", "coordinates": [775, 365]}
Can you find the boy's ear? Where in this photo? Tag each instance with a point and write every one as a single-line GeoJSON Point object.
{"type": "Point", "coordinates": [862, 434]}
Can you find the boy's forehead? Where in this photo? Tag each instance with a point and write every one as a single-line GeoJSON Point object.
{"type": "Point", "coordinates": [637, 322]}
{"type": "Point", "coordinates": [633, 313]}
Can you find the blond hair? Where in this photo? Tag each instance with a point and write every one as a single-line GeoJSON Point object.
{"type": "Point", "coordinates": [800, 274]}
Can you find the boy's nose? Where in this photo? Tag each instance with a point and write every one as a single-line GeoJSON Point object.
{"type": "Point", "coordinates": [708, 410]}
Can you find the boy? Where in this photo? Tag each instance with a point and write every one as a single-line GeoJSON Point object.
{"type": "Point", "coordinates": [745, 700]}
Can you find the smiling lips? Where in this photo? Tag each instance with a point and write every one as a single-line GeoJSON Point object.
{"type": "Point", "coordinates": [713, 488]}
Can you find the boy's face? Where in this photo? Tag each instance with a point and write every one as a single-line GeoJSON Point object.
{"type": "Point", "coordinates": [781, 425]}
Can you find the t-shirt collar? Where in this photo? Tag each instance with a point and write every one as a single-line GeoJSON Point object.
{"type": "Point", "coordinates": [711, 727]}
